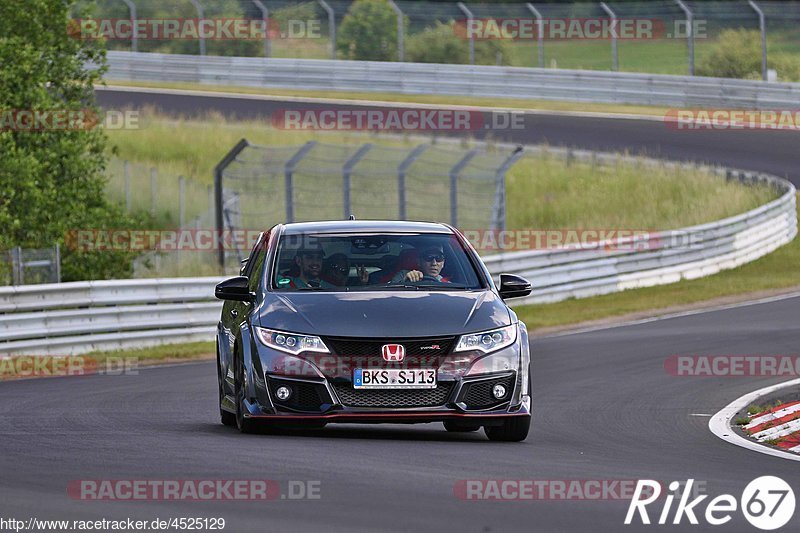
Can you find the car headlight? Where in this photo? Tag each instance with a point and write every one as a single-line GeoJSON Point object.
{"type": "Point", "coordinates": [290, 342]}
{"type": "Point", "coordinates": [488, 341]}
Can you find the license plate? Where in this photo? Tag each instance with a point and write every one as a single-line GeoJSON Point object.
{"type": "Point", "coordinates": [394, 378]}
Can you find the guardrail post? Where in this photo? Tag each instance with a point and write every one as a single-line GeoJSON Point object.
{"type": "Point", "coordinates": [347, 172]}
{"type": "Point", "coordinates": [401, 46]}
{"type": "Point", "coordinates": [454, 172]}
{"type": "Point", "coordinates": [219, 170]}
{"type": "Point", "coordinates": [17, 271]}
{"type": "Point", "coordinates": [762, 25]}
{"type": "Point", "coordinates": [614, 29]}
{"type": "Point", "coordinates": [288, 177]}
{"type": "Point", "coordinates": [57, 264]}
{"type": "Point", "coordinates": [539, 32]}
{"type": "Point", "coordinates": [689, 33]}
{"type": "Point", "coordinates": [499, 208]}
{"type": "Point", "coordinates": [265, 18]}
{"type": "Point", "coordinates": [134, 38]}
{"type": "Point", "coordinates": [331, 26]}
{"type": "Point", "coordinates": [470, 18]}
{"type": "Point", "coordinates": [200, 15]}
{"type": "Point", "coordinates": [402, 171]}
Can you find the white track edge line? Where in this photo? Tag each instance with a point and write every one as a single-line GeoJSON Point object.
{"type": "Point", "coordinates": [720, 426]}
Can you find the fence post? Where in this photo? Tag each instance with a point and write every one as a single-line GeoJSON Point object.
{"type": "Point", "coordinates": [126, 175]}
{"type": "Point", "coordinates": [181, 201]}
{"type": "Point", "coordinates": [200, 15]}
{"type": "Point", "coordinates": [402, 170]}
{"type": "Point", "coordinates": [762, 25]}
{"type": "Point", "coordinates": [401, 45]}
{"type": "Point", "coordinates": [265, 18]}
{"type": "Point", "coordinates": [614, 29]}
{"type": "Point", "coordinates": [454, 172]}
{"type": "Point", "coordinates": [218, 174]}
{"type": "Point", "coordinates": [540, 33]}
{"type": "Point", "coordinates": [288, 177]}
{"type": "Point", "coordinates": [499, 215]}
{"type": "Point", "coordinates": [347, 171]}
{"type": "Point", "coordinates": [134, 38]}
{"type": "Point", "coordinates": [57, 264]}
{"type": "Point", "coordinates": [17, 274]}
{"type": "Point", "coordinates": [689, 33]}
{"type": "Point", "coordinates": [153, 190]}
{"type": "Point", "coordinates": [331, 26]}
{"type": "Point", "coordinates": [468, 13]}
{"type": "Point", "coordinates": [210, 199]}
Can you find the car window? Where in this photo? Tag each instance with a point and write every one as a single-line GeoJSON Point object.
{"type": "Point", "coordinates": [255, 263]}
{"type": "Point", "coordinates": [362, 262]}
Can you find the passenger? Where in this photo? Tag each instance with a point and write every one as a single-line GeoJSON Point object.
{"type": "Point", "coordinates": [337, 271]}
{"type": "Point", "coordinates": [431, 263]}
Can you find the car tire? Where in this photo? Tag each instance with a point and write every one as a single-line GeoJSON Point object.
{"type": "Point", "coordinates": [456, 427]}
{"type": "Point", "coordinates": [245, 425]}
{"type": "Point", "coordinates": [514, 429]}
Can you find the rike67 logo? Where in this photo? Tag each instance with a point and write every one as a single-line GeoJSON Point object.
{"type": "Point", "coordinates": [767, 503]}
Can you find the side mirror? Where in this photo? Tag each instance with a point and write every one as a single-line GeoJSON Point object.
{"type": "Point", "coordinates": [512, 286]}
{"type": "Point", "coordinates": [236, 289]}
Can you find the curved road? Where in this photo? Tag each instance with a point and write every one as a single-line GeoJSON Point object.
{"type": "Point", "coordinates": [604, 409]}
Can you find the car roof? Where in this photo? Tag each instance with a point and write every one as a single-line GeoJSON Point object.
{"type": "Point", "coordinates": [366, 226]}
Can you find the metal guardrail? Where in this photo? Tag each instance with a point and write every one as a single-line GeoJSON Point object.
{"type": "Point", "coordinates": [455, 80]}
{"type": "Point", "coordinates": [73, 318]}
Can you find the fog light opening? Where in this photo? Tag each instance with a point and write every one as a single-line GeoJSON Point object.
{"type": "Point", "coordinates": [283, 393]}
{"type": "Point", "coordinates": [499, 391]}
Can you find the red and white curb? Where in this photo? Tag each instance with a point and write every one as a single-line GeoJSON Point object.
{"type": "Point", "coordinates": [779, 423]}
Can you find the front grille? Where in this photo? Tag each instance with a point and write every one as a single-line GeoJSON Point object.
{"type": "Point", "coordinates": [351, 397]}
{"type": "Point", "coordinates": [305, 396]}
{"type": "Point", "coordinates": [479, 395]}
{"type": "Point", "coordinates": [365, 347]}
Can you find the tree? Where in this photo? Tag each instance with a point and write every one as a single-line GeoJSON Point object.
{"type": "Point", "coordinates": [368, 32]}
{"type": "Point", "coordinates": [51, 181]}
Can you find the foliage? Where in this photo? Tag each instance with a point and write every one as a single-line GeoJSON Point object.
{"type": "Point", "coordinates": [368, 32]}
{"type": "Point", "coordinates": [443, 43]}
{"type": "Point", "coordinates": [51, 180]}
{"type": "Point", "coordinates": [737, 54]}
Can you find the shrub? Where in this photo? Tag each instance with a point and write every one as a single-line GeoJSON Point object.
{"type": "Point", "coordinates": [368, 32]}
{"type": "Point", "coordinates": [442, 44]}
{"type": "Point", "coordinates": [737, 54]}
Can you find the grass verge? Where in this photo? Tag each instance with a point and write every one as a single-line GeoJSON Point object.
{"type": "Point", "coordinates": [528, 104]}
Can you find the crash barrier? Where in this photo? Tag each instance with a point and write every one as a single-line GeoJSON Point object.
{"type": "Point", "coordinates": [454, 80]}
{"type": "Point", "coordinates": [74, 318]}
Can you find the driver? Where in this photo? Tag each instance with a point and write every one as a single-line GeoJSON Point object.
{"type": "Point", "coordinates": [430, 261]}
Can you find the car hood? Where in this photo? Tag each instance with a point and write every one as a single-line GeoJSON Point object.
{"type": "Point", "coordinates": [385, 313]}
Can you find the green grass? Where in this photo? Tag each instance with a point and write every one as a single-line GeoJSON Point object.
{"type": "Point", "coordinates": [543, 191]}
{"type": "Point", "coordinates": [511, 103]}
{"type": "Point", "coordinates": [144, 356]}
{"type": "Point", "coordinates": [777, 270]}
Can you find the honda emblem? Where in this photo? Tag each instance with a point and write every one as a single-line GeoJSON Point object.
{"type": "Point", "coordinates": [393, 352]}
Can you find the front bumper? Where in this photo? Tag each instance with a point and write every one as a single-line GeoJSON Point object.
{"type": "Point", "coordinates": [462, 399]}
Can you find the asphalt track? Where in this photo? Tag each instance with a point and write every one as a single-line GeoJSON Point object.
{"type": "Point", "coordinates": [604, 409]}
{"type": "Point", "coordinates": [773, 151]}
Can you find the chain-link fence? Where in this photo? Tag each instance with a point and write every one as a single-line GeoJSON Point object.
{"type": "Point", "coordinates": [659, 36]}
{"type": "Point", "coordinates": [259, 186]}
{"type": "Point", "coordinates": [25, 266]}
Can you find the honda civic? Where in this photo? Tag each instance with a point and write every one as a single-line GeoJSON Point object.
{"type": "Point", "coordinates": [372, 321]}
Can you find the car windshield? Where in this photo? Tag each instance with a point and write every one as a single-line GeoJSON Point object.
{"type": "Point", "coordinates": [364, 262]}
